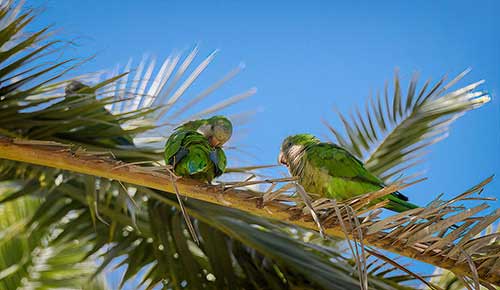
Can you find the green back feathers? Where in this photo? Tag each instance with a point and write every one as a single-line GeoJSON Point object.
{"type": "Point", "coordinates": [339, 162]}
{"type": "Point", "coordinates": [196, 124]}
{"type": "Point", "coordinates": [194, 149]}
{"type": "Point", "coordinates": [334, 173]}
{"type": "Point", "coordinates": [176, 141]}
{"type": "Point", "coordinates": [190, 153]}
{"type": "Point", "coordinates": [196, 162]}
{"type": "Point", "coordinates": [191, 125]}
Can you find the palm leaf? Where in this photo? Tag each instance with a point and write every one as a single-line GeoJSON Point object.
{"type": "Point", "coordinates": [396, 130]}
{"type": "Point", "coordinates": [421, 233]}
{"type": "Point", "coordinates": [123, 221]}
{"type": "Point", "coordinates": [158, 241]}
{"type": "Point", "coordinates": [42, 112]}
{"type": "Point", "coordinates": [31, 258]}
{"type": "Point", "coordinates": [448, 280]}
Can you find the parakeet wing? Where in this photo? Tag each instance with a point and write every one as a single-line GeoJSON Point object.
{"type": "Point", "coordinates": [339, 162]}
{"type": "Point", "coordinates": [173, 145]}
{"type": "Point", "coordinates": [222, 160]}
{"type": "Point", "coordinates": [218, 157]}
{"type": "Point", "coordinates": [196, 161]}
{"type": "Point", "coordinates": [189, 153]}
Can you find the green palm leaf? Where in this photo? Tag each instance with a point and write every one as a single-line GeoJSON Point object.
{"type": "Point", "coordinates": [138, 225]}
{"type": "Point", "coordinates": [157, 241]}
{"type": "Point", "coordinates": [31, 258]}
{"type": "Point", "coordinates": [396, 130]}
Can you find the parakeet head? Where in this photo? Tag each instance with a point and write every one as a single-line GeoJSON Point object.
{"type": "Point", "coordinates": [293, 146]}
{"type": "Point", "coordinates": [217, 130]}
{"type": "Point", "coordinates": [74, 87]}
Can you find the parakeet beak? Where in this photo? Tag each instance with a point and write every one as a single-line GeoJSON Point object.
{"type": "Point", "coordinates": [213, 141]}
{"type": "Point", "coordinates": [281, 159]}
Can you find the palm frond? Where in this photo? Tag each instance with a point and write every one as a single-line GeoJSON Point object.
{"type": "Point", "coordinates": [103, 214]}
{"type": "Point", "coordinates": [232, 253]}
{"type": "Point", "coordinates": [163, 88]}
{"type": "Point", "coordinates": [30, 258]}
{"type": "Point", "coordinates": [131, 222]}
{"type": "Point", "coordinates": [421, 233]}
{"type": "Point", "coordinates": [23, 56]}
{"type": "Point", "coordinates": [448, 280]}
{"type": "Point", "coordinates": [396, 129]}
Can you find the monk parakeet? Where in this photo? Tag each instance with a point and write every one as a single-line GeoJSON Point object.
{"type": "Point", "coordinates": [82, 100]}
{"type": "Point", "coordinates": [332, 172]}
{"type": "Point", "coordinates": [194, 149]}
{"type": "Point", "coordinates": [217, 129]}
{"type": "Point", "coordinates": [77, 90]}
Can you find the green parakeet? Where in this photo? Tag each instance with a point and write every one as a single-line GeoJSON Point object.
{"type": "Point", "coordinates": [194, 149]}
{"type": "Point", "coordinates": [79, 95]}
{"type": "Point", "coordinates": [332, 172]}
{"type": "Point", "coordinates": [217, 129]}
{"type": "Point", "coordinates": [75, 90]}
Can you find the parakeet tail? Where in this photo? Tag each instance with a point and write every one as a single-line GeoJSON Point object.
{"type": "Point", "coordinates": [398, 205]}
{"type": "Point", "coordinates": [125, 141]}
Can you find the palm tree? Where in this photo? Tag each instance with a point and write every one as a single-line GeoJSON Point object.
{"type": "Point", "coordinates": [32, 259]}
{"type": "Point", "coordinates": [65, 154]}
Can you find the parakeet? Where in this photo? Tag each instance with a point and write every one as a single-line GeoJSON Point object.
{"type": "Point", "coordinates": [84, 105]}
{"type": "Point", "coordinates": [75, 90]}
{"type": "Point", "coordinates": [194, 149]}
{"type": "Point", "coordinates": [217, 129]}
{"type": "Point", "coordinates": [332, 172]}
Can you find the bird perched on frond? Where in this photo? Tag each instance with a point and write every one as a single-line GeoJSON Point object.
{"type": "Point", "coordinates": [195, 148]}
{"type": "Point", "coordinates": [88, 116]}
{"type": "Point", "coordinates": [217, 129]}
{"type": "Point", "coordinates": [105, 122]}
{"type": "Point", "coordinates": [332, 172]}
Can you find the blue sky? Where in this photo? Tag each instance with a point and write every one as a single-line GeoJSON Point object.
{"type": "Point", "coordinates": [306, 57]}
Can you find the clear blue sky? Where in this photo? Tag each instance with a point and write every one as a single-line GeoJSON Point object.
{"type": "Point", "coordinates": [305, 57]}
